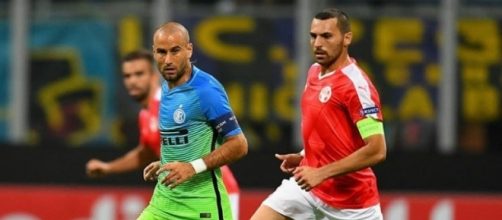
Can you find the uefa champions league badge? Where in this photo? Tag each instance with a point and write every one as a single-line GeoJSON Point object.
{"type": "Point", "coordinates": [325, 94]}
{"type": "Point", "coordinates": [179, 115]}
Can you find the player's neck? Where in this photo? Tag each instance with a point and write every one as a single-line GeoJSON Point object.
{"type": "Point", "coordinates": [340, 63]}
{"type": "Point", "coordinates": [151, 95]}
{"type": "Point", "coordinates": [145, 101]}
{"type": "Point", "coordinates": [183, 79]}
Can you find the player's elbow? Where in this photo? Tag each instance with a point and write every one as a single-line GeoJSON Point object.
{"type": "Point", "coordinates": [380, 157]}
{"type": "Point", "coordinates": [381, 153]}
{"type": "Point", "coordinates": [243, 146]}
{"type": "Point", "coordinates": [238, 147]}
{"type": "Point", "coordinates": [376, 153]}
{"type": "Point", "coordinates": [377, 149]}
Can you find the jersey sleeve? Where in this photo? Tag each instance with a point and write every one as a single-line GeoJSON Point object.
{"type": "Point", "coordinates": [215, 105]}
{"type": "Point", "coordinates": [362, 100]}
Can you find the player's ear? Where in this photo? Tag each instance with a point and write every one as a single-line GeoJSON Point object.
{"type": "Point", "coordinates": [153, 51]}
{"type": "Point", "coordinates": [190, 50]}
{"type": "Point", "coordinates": [347, 39]}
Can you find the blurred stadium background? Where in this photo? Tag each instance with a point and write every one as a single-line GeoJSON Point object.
{"type": "Point", "coordinates": [436, 63]}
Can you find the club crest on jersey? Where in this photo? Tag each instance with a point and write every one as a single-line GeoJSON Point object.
{"type": "Point", "coordinates": [325, 94]}
{"type": "Point", "coordinates": [179, 115]}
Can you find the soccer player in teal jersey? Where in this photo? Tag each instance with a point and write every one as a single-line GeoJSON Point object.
{"type": "Point", "coordinates": [199, 134]}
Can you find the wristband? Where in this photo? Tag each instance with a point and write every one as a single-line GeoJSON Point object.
{"type": "Point", "coordinates": [199, 165]}
{"type": "Point", "coordinates": [302, 153]}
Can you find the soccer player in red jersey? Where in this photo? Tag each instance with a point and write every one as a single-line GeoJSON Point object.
{"type": "Point", "coordinates": [343, 136]}
{"type": "Point", "coordinates": [142, 84]}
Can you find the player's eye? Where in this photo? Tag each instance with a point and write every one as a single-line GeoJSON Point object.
{"type": "Point", "coordinates": [326, 35]}
{"type": "Point", "coordinates": [175, 50]}
{"type": "Point", "coordinates": [161, 51]}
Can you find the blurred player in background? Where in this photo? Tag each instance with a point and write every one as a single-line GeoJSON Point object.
{"type": "Point", "coordinates": [342, 134]}
{"type": "Point", "coordinates": [195, 117]}
{"type": "Point", "coordinates": [142, 84]}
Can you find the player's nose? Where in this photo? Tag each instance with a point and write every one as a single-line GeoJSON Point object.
{"type": "Point", "coordinates": [168, 59]}
{"type": "Point", "coordinates": [317, 43]}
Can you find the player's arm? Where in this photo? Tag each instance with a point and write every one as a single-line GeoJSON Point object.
{"type": "Point", "coordinates": [221, 118]}
{"type": "Point", "coordinates": [373, 152]}
{"type": "Point", "coordinates": [232, 149]}
{"type": "Point", "coordinates": [234, 144]}
{"type": "Point", "coordinates": [363, 106]}
{"type": "Point", "coordinates": [135, 159]}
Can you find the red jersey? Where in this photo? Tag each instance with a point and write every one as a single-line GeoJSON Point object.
{"type": "Point", "coordinates": [229, 180]}
{"type": "Point", "coordinates": [149, 125]}
{"type": "Point", "coordinates": [331, 105]}
{"type": "Point", "coordinates": [150, 138]}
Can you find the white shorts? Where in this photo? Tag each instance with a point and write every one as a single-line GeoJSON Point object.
{"type": "Point", "coordinates": [290, 200]}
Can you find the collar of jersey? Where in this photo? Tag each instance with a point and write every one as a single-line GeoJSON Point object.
{"type": "Point", "coordinates": [352, 61]}
{"type": "Point", "coordinates": [326, 74]}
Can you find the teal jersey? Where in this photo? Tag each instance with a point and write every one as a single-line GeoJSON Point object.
{"type": "Point", "coordinates": [192, 117]}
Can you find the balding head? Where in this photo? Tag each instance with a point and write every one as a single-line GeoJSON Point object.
{"type": "Point", "coordinates": [172, 51]}
{"type": "Point", "coordinates": [173, 28]}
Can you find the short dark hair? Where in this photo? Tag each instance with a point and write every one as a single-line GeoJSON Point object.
{"type": "Point", "coordinates": [342, 18]}
{"type": "Point", "coordinates": [138, 54]}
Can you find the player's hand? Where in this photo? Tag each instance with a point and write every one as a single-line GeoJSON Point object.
{"type": "Point", "coordinates": [308, 177]}
{"type": "Point", "coordinates": [150, 171]}
{"type": "Point", "coordinates": [96, 168]}
{"type": "Point", "coordinates": [289, 161]}
{"type": "Point", "coordinates": [178, 172]}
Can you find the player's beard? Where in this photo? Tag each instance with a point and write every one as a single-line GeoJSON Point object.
{"type": "Point", "coordinates": [140, 97]}
{"type": "Point", "coordinates": [173, 78]}
{"type": "Point", "coordinates": [332, 58]}
{"type": "Point", "coordinates": [178, 75]}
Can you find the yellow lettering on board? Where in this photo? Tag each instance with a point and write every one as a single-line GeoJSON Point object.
{"type": "Point", "coordinates": [235, 93]}
{"type": "Point", "coordinates": [207, 35]}
{"type": "Point", "coordinates": [394, 39]}
{"type": "Point", "coordinates": [258, 102]}
{"type": "Point", "coordinates": [479, 48]}
{"type": "Point", "coordinates": [416, 103]}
